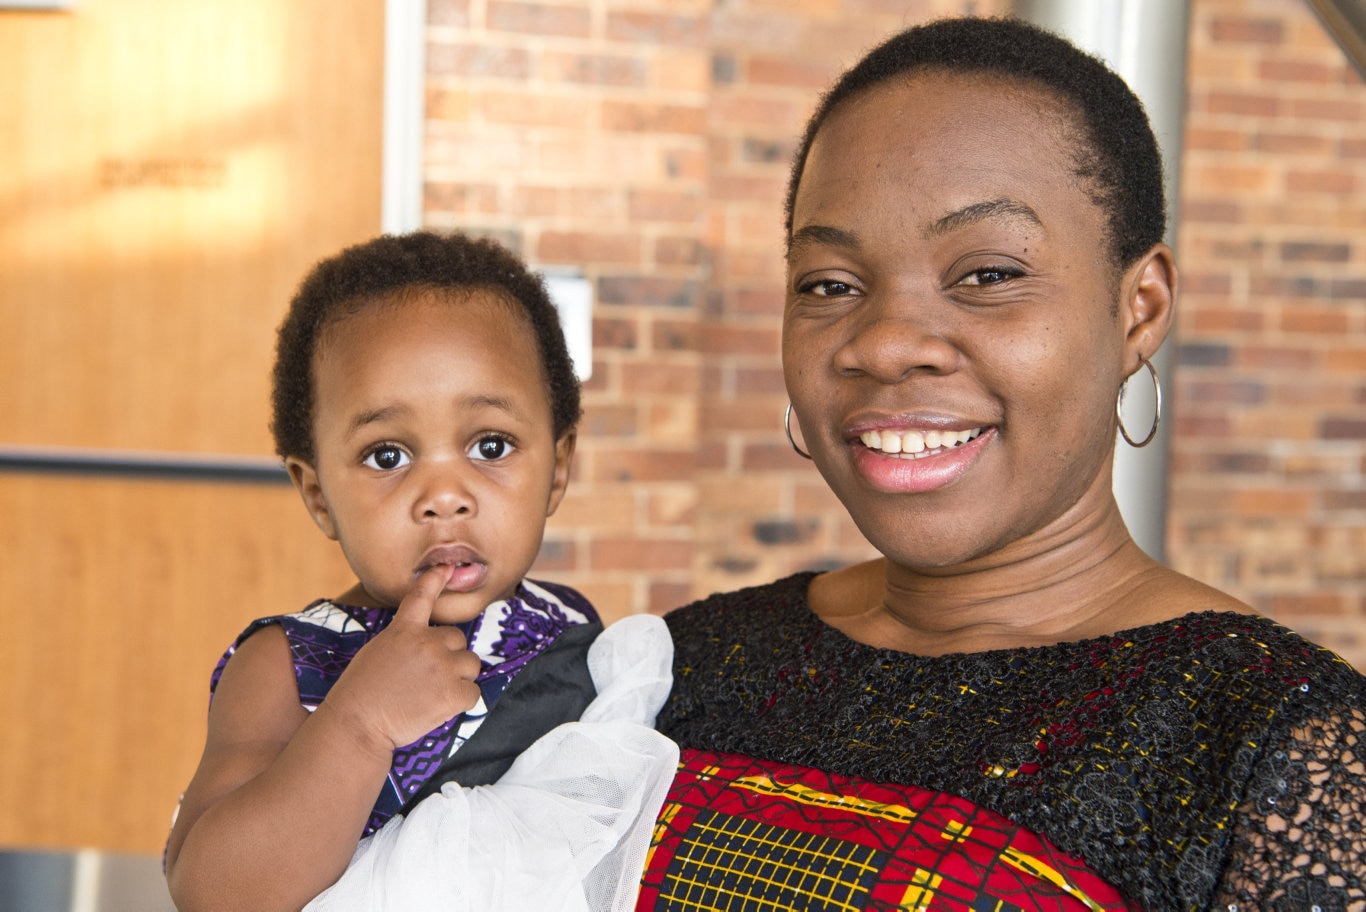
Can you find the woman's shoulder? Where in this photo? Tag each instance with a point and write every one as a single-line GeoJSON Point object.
{"type": "Point", "coordinates": [1236, 659]}
{"type": "Point", "coordinates": [778, 595]}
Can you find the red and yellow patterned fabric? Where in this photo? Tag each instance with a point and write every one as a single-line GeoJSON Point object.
{"type": "Point", "coordinates": [738, 833]}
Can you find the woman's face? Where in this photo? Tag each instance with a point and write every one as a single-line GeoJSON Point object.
{"type": "Point", "coordinates": [951, 342]}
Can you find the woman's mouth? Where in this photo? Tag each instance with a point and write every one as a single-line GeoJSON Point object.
{"type": "Point", "coordinates": [917, 444]}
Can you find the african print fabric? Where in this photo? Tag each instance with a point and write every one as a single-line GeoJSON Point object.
{"type": "Point", "coordinates": [742, 834]}
{"type": "Point", "coordinates": [508, 634]}
{"type": "Point", "coordinates": [1212, 761]}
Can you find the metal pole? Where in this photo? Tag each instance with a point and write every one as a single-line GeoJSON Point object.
{"type": "Point", "coordinates": [1145, 42]}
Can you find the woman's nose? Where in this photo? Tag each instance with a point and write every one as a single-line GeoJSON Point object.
{"type": "Point", "coordinates": [896, 335]}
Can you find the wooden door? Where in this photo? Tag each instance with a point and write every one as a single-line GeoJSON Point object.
{"type": "Point", "coordinates": [168, 171]}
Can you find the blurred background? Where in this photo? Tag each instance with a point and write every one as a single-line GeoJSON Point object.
{"type": "Point", "coordinates": [168, 171]}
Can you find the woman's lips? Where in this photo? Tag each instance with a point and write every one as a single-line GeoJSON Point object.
{"type": "Point", "coordinates": [915, 462]}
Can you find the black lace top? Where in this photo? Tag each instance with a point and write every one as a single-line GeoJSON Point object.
{"type": "Point", "coordinates": [1212, 762]}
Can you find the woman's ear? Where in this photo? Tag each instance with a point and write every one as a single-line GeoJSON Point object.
{"type": "Point", "coordinates": [305, 479]}
{"type": "Point", "coordinates": [1148, 305]}
{"type": "Point", "coordinates": [564, 458]}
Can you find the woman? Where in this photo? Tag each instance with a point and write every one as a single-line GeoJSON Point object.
{"type": "Point", "coordinates": [1014, 707]}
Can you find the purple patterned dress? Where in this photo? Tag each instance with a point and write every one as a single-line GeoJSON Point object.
{"type": "Point", "coordinates": [326, 636]}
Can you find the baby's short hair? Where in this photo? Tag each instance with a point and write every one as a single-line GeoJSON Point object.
{"type": "Point", "coordinates": [393, 265]}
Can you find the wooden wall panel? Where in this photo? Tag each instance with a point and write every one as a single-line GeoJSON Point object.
{"type": "Point", "coordinates": [118, 598]}
{"type": "Point", "coordinates": [168, 172]}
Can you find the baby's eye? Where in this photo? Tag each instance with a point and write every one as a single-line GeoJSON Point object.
{"type": "Point", "coordinates": [490, 447]}
{"type": "Point", "coordinates": [386, 458]}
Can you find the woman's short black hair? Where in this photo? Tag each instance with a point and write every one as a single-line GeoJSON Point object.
{"type": "Point", "coordinates": [393, 265]}
{"type": "Point", "coordinates": [1118, 155]}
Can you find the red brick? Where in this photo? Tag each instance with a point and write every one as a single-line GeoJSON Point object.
{"type": "Point", "coordinates": [659, 205]}
{"type": "Point", "coordinates": [644, 378]}
{"type": "Point", "coordinates": [675, 335]}
{"type": "Point", "coordinates": [1243, 103]}
{"type": "Point", "coordinates": [594, 69]}
{"type": "Point", "coordinates": [640, 553]}
{"type": "Point", "coordinates": [1337, 183]}
{"type": "Point", "coordinates": [621, 464]}
{"type": "Point", "coordinates": [648, 291]}
{"type": "Point", "coordinates": [1319, 322]}
{"type": "Point", "coordinates": [1201, 138]}
{"type": "Point", "coordinates": [448, 104]}
{"type": "Point", "coordinates": [646, 117]}
{"type": "Point", "coordinates": [539, 18]}
{"type": "Point", "coordinates": [449, 12]}
{"type": "Point", "coordinates": [535, 109]}
{"type": "Point", "coordinates": [528, 200]}
{"type": "Point", "coordinates": [466, 59]}
{"type": "Point", "coordinates": [556, 554]}
{"type": "Point", "coordinates": [679, 251]}
{"type": "Point", "coordinates": [657, 28]}
{"type": "Point", "coordinates": [1313, 72]}
{"type": "Point", "coordinates": [1206, 319]}
{"type": "Point", "coordinates": [584, 247]}
{"type": "Point", "coordinates": [771, 456]}
{"type": "Point", "coordinates": [1286, 605]}
{"type": "Point", "coordinates": [1247, 30]}
{"type": "Point", "coordinates": [610, 420]}
{"type": "Point", "coordinates": [806, 73]}
{"type": "Point", "coordinates": [1346, 111]}
{"type": "Point", "coordinates": [1270, 502]}
{"type": "Point", "coordinates": [615, 333]}
{"type": "Point", "coordinates": [664, 597]}
{"type": "Point", "coordinates": [741, 340]}
{"type": "Point", "coordinates": [1273, 143]}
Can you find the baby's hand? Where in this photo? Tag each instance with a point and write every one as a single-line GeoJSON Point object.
{"type": "Point", "coordinates": [410, 678]}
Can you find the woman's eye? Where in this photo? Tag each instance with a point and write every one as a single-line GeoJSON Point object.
{"type": "Point", "coordinates": [827, 288]}
{"type": "Point", "coordinates": [386, 458]}
{"type": "Point", "coordinates": [490, 447]}
{"type": "Point", "coordinates": [989, 276]}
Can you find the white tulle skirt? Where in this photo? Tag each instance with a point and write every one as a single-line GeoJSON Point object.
{"type": "Point", "coordinates": [566, 828]}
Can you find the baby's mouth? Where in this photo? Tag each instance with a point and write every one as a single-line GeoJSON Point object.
{"type": "Point", "coordinates": [917, 444]}
{"type": "Point", "coordinates": [457, 556]}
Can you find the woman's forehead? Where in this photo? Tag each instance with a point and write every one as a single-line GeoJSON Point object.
{"type": "Point", "coordinates": [947, 149]}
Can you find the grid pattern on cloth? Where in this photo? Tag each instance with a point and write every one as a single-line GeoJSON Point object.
{"type": "Point", "coordinates": [744, 835]}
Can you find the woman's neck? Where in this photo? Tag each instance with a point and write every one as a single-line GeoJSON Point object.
{"type": "Point", "coordinates": [1085, 578]}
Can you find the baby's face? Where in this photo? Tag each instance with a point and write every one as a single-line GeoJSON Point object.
{"type": "Point", "coordinates": [434, 445]}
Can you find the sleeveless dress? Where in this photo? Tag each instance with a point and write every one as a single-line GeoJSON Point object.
{"type": "Point", "coordinates": [1215, 761]}
{"type": "Point", "coordinates": [507, 636]}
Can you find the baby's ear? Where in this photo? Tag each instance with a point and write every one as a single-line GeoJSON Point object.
{"type": "Point", "coordinates": [1148, 304]}
{"type": "Point", "coordinates": [305, 479]}
{"type": "Point", "coordinates": [564, 458]}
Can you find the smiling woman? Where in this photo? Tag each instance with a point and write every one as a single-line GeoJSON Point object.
{"type": "Point", "coordinates": [1014, 707]}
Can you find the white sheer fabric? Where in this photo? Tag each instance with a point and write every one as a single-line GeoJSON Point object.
{"type": "Point", "coordinates": [566, 828]}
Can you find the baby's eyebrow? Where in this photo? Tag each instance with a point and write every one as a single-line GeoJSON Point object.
{"type": "Point", "coordinates": [972, 214]}
{"type": "Point", "coordinates": [372, 416]}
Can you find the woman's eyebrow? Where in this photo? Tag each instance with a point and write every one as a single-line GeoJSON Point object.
{"type": "Point", "coordinates": [822, 234]}
{"type": "Point", "coordinates": [1003, 208]}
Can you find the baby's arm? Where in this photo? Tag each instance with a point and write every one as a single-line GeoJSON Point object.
{"type": "Point", "coordinates": [280, 798]}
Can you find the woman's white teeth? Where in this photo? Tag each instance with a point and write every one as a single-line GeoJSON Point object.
{"type": "Point", "coordinates": [916, 443]}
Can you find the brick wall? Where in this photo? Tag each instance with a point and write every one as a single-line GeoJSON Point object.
{"type": "Point", "coordinates": [1268, 484]}
{"type": "Point", "coordinates": [647, 143]}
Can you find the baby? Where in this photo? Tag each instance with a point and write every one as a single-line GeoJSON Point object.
{"type": "Point", "coordinates": [425, 407]}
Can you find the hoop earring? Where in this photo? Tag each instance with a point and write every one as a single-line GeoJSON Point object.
{"type": "Point", "coordinates": [787, 426]}
{"type": "Point", "coordinates": [1157, 409]}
